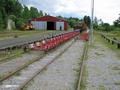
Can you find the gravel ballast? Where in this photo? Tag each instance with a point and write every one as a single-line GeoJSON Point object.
{"type": "Point", "coordinates": [103, 68]}
{"type": "Point", "coordinates": [62, 74]}
{"type": "Point", "coordinates": [12, 65]}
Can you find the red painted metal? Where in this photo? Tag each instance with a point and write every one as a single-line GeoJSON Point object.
{"type": "Point", "coordinates": [52, 42]}
{"type": "Point", "coordinates": [84, 36]}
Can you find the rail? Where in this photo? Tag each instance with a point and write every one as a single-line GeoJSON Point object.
{"type": "Point", "coordinates": [82, 65]}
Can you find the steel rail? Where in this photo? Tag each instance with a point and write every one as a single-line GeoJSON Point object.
{"type": "Point", "coordinates": [82, 65]}
{"type": "Point", "coordinates": [12, 56]}
{"type": "Point", "coordinates": [20, 87]}
{"type": "Point", "coordinates": [8, 76]}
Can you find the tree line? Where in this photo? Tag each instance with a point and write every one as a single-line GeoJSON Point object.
{"type": "Point", "coordinates": [18, 13]}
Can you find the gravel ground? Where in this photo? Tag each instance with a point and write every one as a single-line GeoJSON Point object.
{"type": "Point", "coordinates": [12, 65]}
{"type": "Point", "coordinates": [65, 69]}
{"type": "Point", "coordinates": [103, 68]}
{"type": "Point", "coordinates": [62, 73]}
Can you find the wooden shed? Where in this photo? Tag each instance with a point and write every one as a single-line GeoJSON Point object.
{"type": "Point", "coordinates": [49, 23]}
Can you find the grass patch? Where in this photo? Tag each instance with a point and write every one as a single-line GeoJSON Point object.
{"type": "Point", "coordinates": [77, 70]}
{"type": "Point", "coordinates": [10, 34]}
{"type": "Point", "coordinates": [116, 68]}
{"type": "Point", "coordinates": [112, 47]}
{"type": "Point", "coordinates": [17, 74]}
{"type": "Point", "coordinates": [117, 83]}
{"type": "Point", "coordinates": [19, 55]}
{"type": "Point", "coordinates": [12, 53]}
{"type": "Point", "coordinates": [101, 88]}
{"type": "Point", "coordinates": [2, 76]}
{"type": "Point", "coordinates": [45, 69]}
{"type": "Point", "coordinates": [84, 77]}
{"type": "Point", "coordinates": [98, 54]}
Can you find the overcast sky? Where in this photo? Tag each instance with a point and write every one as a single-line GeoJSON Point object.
{"type": "Point", "coordinates": [107, 10]}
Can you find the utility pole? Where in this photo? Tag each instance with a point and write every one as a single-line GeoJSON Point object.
{"type": "Point", "coordinates": [91, 25]}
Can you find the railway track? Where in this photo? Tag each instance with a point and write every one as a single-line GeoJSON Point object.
{"type": "Point", "coordinates": [82, 66]}
{"type": "Point", "coordinates": [9, 77]}
{"type": "Point", "coordinates": [43, 63]}
{"type": "Point", "coordinates": [9, 57]}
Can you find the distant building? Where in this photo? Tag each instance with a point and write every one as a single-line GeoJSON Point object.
{"type": "Point", "coordinates": [49, 23]}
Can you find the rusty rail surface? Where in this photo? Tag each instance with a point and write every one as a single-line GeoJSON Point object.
{"type": "Point", "coordinates": [82, 65]}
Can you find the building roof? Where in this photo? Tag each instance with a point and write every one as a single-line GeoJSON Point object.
{"type": "Point", "coordinates": [42, 18]}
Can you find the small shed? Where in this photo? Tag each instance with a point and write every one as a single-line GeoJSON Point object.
{"type": "Point", "coordinates": [49, 23]}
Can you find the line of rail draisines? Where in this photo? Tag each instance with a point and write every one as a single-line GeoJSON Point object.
{"type": "Point", "coordinates": [54, 41]}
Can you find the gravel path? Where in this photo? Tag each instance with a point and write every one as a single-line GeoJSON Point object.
{"type": "Point", "coordinates": [103, 68]}
{"type": "Point", "coordinates": [62, 73]}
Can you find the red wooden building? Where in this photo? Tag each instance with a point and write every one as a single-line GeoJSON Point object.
{"type": "Point", "coordinates": [49, 23]}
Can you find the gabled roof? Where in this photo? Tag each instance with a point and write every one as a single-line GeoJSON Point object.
{"type": "Point", "coordinates": [48, 16]}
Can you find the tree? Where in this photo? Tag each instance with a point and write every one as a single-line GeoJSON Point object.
{"type": "Point", "coordinates": [116, 24]}
{"type": "Point", "coordinates": [33, 12]}
{"type": "Point", "coordinates": [18, 9]}
{"type": "Point", "coordinates": [4, 18]}
{"type": "Point", "coordinates": [9, 6]}
{"type": "Point", "coordinates": [95, 25]}
{"type": "Point", "coordinates": [87, 20]}
{"type": "Point", "coordinates": [41, 13]}
{"type": "Point", "coordinates": [26, 13]}
{"type": "Point", "coordinates": [106, 25]}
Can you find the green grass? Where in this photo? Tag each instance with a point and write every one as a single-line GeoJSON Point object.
{"type": "Point", "coordinates": [99, 38]}
{"type": "Point", "coordinates": [10, 34]}
{"type": "Point", "coordinates": [84, 76]}
{"type": "Point", "coordinates": [117, 83]}
{"type": "Point", "coordinates": [116, 68]}
{"type": "Point", "coordinates": [13, 52]}
{"type": "Point", "coordinates": [45, 69]}
{"type": "Point", "coordinates": [17, 74]}
{"type": "Point", "coordinates": [99, 54]}
{"type": "Point", "coordinates": [2, 76]}
{"type": "Point", "coordinates": [101, 88]}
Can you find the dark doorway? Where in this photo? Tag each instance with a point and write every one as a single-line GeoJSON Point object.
{"type": "Point", "coordinates": [60, 27]}
{"type": "Point", "coordinates": [50, 25]}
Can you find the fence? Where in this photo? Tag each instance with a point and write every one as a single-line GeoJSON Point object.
{"type": "Point", "coordinates": [112, 41]}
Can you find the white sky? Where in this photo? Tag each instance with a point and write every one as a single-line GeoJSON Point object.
{"type": "Point", "coordinates": [107, 10]}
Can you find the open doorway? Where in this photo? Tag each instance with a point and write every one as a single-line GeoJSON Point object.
{"type": "Point", "coordinates": [50, 25]}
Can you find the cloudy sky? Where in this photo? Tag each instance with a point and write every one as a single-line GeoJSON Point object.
{"type": "Point", "coordinates": [107, 10]}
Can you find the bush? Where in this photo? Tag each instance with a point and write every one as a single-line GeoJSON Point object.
{"type": "Point", "coordinates": [1, 26]}
{"type": "Point", "coordinates": [101, 28]}
{"type": "Point", "coordinates": [13, 26]}
{"type": "Point", "coordinates": [117, 29]}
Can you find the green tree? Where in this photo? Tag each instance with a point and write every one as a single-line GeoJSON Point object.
{"type": "Point", "coordinates": [41, 13]}
{"type": "Point", "coordinates": [34, 12]}
{"type": "Point", "coordinates": [9, 6]}
{"type": "Point", "coordinates": [26, 13]}
{"type": "Point", "coordinates": [106, 25]}
{"type": "Point", "coordinates": [95, 25]}
{"type": "Point", "coordinates": [87, 20]}
{"type": "Point", "coordinates": [18, 9]}
{"type": "Point", "coordinates": [4, 18]}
